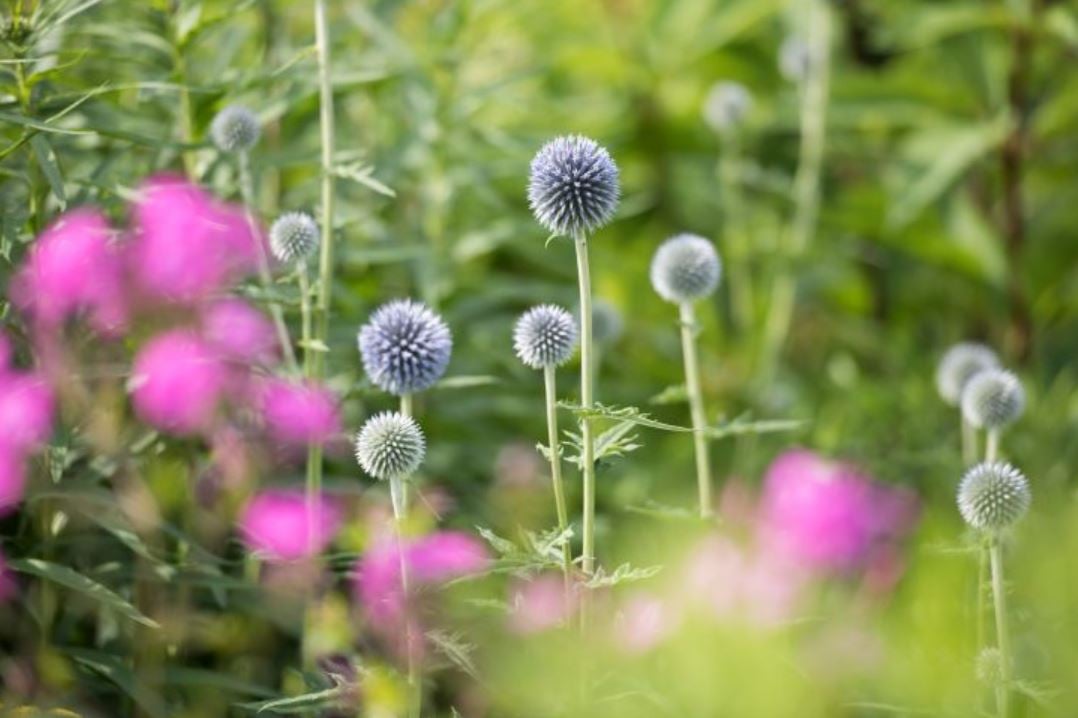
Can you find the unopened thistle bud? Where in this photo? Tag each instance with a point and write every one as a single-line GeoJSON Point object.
{"type": "Point", "coordinates": [993, 399]}
{"type": "Point", "coordinates": [545, 336]}
{"type": "Point", "coordinates": [390, 446]}
{"type": "Point", "coordinates": [993, 496]}
{"type": "Point", "coordinates": [685, 268]}
{"type": "Point", "coordinates": [958, 365]}
{"type": "Point", "coordinates": [726, 106]}
{"type": "Point", "coordinates": [235, 129]}
{"type": "Point", "coordinates": [293, 237]}
{"type": "Point", "coordinates": [405, 347]}
{"type": "Point", "coordinates": [795, 59]}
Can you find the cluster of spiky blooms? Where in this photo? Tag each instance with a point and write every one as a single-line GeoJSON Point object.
{"type": "Point", "coordinates": [993, 496]}
{"type": "Point", "coordinates": [726, 105]}
{"type": "Point", "coordinates": [294, 236]}
{"type": "Point", "coordinates": [685, 268]}
{"type": "Point", "coordinates": [993, 399]}
{"type": "Point", "coordinates": [574, 186]}
{"type": "Point", "coordinates": [390, 446]}
{"type": "Point", "coordinates": [405, 347]}
{"type": "Point", "coordinates": [545, 336]}
{"type": "Point", "coordinates": [235, 129]}
{"type": "Point", "coordinates": [959, 364]}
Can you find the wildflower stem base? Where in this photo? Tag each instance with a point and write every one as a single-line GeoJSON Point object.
{"type": "Point", "coordinates": [696, 406]}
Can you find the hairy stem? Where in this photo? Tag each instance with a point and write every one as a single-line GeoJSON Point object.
{"type": "Point", "coordinates": [696, 407]}
{"type": "Point", "coordinates": [587, 401]}
{"type": "Point", "coordinates": [555, 467]}
{"type": "Point", "coordinates": [1002, 640]}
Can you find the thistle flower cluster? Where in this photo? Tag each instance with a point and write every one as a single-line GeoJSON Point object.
{"type": "Point", "coordinates": [993, 496]}
{"type": "Point", "coordinates": [573, 186]}
{"type": "Point", "coordinates": [959, 364]}
{"type": "Point", "coordinates": [235, 129]}
{"type": "Point", "coordinates": [405, 347]}
{"type": "Point", "coordinates": [545, 336]}
{"type": "Point", "coordinates": [993, 399]}
{"type": "Point", "coordinates": [685, 268]}
{"type": "Point", "coordinates": [390, 446]}
{"type": "Point", "coordinates": [293, 237]}
{"type": "Point", "coordinates": [726, 106]}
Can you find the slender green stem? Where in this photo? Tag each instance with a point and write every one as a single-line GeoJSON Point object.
{"type": "Point", "coordinates": [999, 596]}
{"type": "Point", "coordinates": [969, 442]}
{"type": "Point", "coordinates": [982, 581]}
{"type": "Point", "coordinates": [325, 264]}
{"type": "Point", "coordinates": [305, 314]}
{"type": "Point", "coordinates": [587, 401]}
{"type": "Point", "coordinates": [696, 406]}
{"type": "Point", "coordinates": [407, 405]}
{"type": "Point", "coordinates": [991, 445]}
{"type": "Point", "coordinates": [554, 446]}
{"type": "Point", "coordinates": [806, 189]}
{"type": "Point", "coordinates": [399, 498]}
{"type": "Point", "coordinates": [276, 313]}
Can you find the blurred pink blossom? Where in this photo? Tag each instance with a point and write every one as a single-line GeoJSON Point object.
{"type": "Point", "coordinates": [239, 332]}
{"type": "Point", "coordinates": [12, 479]}
{"type": "Point", "coordinates": [540, 604]}
{"type": "Point", "coordinates": [26, 411]}
{"type": "Point", "coordinates": [299, 414]}
{"type": "Point", "coordinates": [188, 246]}
{"type": "Point", "coordinates": [176, 382]}
{"type": "Point", "coordinates": [644, 622]}
{"type": "Point", "coordinates": [278, 525]}
{"type": "Point", "coordinates": [73, 267]}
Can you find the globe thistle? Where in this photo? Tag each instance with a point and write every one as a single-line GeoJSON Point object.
{"type": "Point", "coordinates": [726, 105]}
{"type": "Point", "coordinates": [685, 268]}
{"type": "Point", "coordinates": [235, 129]}
{"type": "Point", "coordinates": [993, 496]}
{"type": "Point", "coordinates": [405, 347]}
{"type": "Point", "coordinates": [958, 365]}
{"type": "Point", "coordinates": [294, 236]}
{"type": "Point", "coordinates": [993, 399]}
{"type": "Point", "coordinates": [545, 336]}
{"type": "Point", "coordinates": [795, 59]}
{"type": "Point", "coordinates": [573, 186]}
{"type": "Point", "coordinates": [390, 446]}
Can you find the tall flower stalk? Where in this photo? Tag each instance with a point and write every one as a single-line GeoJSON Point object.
{"type": "Point", "coordinates": [956, 368]}
{"type": "Point", "coordinates": [587, 402]}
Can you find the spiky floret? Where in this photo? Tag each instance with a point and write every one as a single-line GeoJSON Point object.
{"type": "Point", "coordinates": [992, 399]}
{"type": "Point", "coordinates": [993, 496]}
{"type": "Point", "coordinates": [573, 186]}
{"type": "Point", "coordinates": [958, 365]}
{"type": "Point", "coordinates": [726, 105]}
{"type": "Point", "coordinates": [685, 268]}
{"type": "Point", "coordinates": [294, 236]}
{"type": "Point", "coordinates": [405, 347]}
{"type": "Point", "coordinates": [545, 336]}
{"type": "Point", "coordinates": [795, 59]}
{"type": "Point", "coordinates": [390, 446]}
{"type": "Point", "coordinates": [235, 129]}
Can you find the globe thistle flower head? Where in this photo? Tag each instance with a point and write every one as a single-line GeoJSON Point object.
{"type": "Point", "coordinates": [573, 186]}
{"type": "Point", "coordinates": [235, 129]}
{"type": "Point", "coordinates": [293, 237]}
{"type": "Point", "coordinates": [993, 496]}
{"type": "Point", "coordinates": [993, 399]}
{"type": "Point", "coordinates": [958, 365]}
{"type": "Point", "coordinates": [390, 446]}
{"type": "Point", "coordinates": [685, 268]}
{"type": "Point", "coordinates": [726, 106]}
{"type": "Point", "coordinates": [405, 347]}
{"type": "Point", "coordinates": [795, 59]}
{"type": "Point", "coordinates": [545, 336]}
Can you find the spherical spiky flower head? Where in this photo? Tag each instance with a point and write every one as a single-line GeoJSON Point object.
{"type": "Point", "coordinates": [405, 347]}
{"type": "Point", "coordinates": [235, 129]}
{"type": "Point", "coordinates": [390, 446]}
{"type": "Point", "coordinates": [958, 365]}
{"type": "Point", "coordinates": [726, 105]}
{"type": "Point", "coordinates": [685, 268]}
{"type": "Point", "coordinates": [993, 496]}
{"type": "Point", "coordinates": [294, 236]}
{"type": "Point", "coordinates": [574, 186]}
{"type": "Point", "coordinates": [545, 336]}
{"type": "Point", "coordinates": [993, 399]}
{"type": "Point", "coordinates": [795, 59]}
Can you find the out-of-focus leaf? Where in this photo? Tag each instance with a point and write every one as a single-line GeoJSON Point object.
{"type": "Point", "coordinates": [118, 670]}
{"type": "Point", "coordinates": [46, 160]}
{"type": "Point", "coordinates": [71, 579]}
{"type": "Point", "coordinates": [298, 704]}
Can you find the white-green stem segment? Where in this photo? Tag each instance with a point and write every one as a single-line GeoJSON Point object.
{"type": "Point", "coordinates": [554, 447]}
{"type": "Point", "coordinates": [325, 263]}
{"type": "Point", "coordinates": [969, 442]}
{"type": "Point", "coordinates": [991, 445]}
{"type": "Point", "coordinates": [587, 402]}
{"type": "Point", "coordinates": [398, 494]}
{"type": "Point", "coordinates": [696, 407]}
{"type": "Point", "coordinates": [999, 597]}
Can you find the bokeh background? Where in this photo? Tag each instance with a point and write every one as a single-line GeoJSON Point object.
{"type": "Point", "coordinates": [947, 211]}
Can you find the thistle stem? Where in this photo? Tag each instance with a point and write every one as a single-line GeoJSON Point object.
{"type": "Point", "coordinates": [325, 264]}
{"type": "Point", "coordinates": [305, 313]}
{"type": "Point", "coordinates": [1002, 639]}
{"type": "Point", "coordinates": [399, 498]}
{"type": "Point", "coordinates": [969, 442]}
{"type": "Point", "coordinates": [991, 445]}
{"type": "Point", "coordinates": [696, 406]}
{"type": "Point", "coordinates": [555, 467]}
{"type": "Point", "coordinates": [587, 401]}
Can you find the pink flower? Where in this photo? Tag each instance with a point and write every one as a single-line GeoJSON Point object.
{"type": "Point", "coordinates": [299, 414]}
{"type": "Point", "coordinates": [644, 622]}
{"type": "Point", "coordinates": [176, 382]}
{"type": "Point", "coordinates": [12, 480]}
{"type": "Point", "coordinates": [187, 246]}
{"type": "Point", "coordinates": [239, 332]}
{"type": "Point", "coordinates": [540, 604]}
{"type": "Point", "coordinates": [281, 526]}
{"type": "Point", "coordinates": [73, 267]}
{"type": "Point", "coordinates": [827, 514]}
{"type": "Point", "coordinates": [446, 554]}
{"type": "Point", "coordinates": [26, 411]}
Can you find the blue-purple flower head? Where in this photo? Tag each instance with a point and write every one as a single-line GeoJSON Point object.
{"type": "Point", "coordinates": [958, 365]}
{"type": "Point", "coordinates": [405, 347]}
{"type": "Point", "coordinates": [993, 399]}
{"type": "Point", "coordinates": [685, 268]}
{"type": "Point", "coordinates": [293, 237]}
{"type": "Point", "coordinates": [545, 336]}
{"type": "Point", "coordinates": [235, 129]}
{"type": "Point", "coordinates": [993, 496]}
{"type": "Point", "coordinates": [390, 446]}
{"type": "Point", "coordinates": [574, 186]}
{"type": "Point", "coordinates": [726, 106]}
